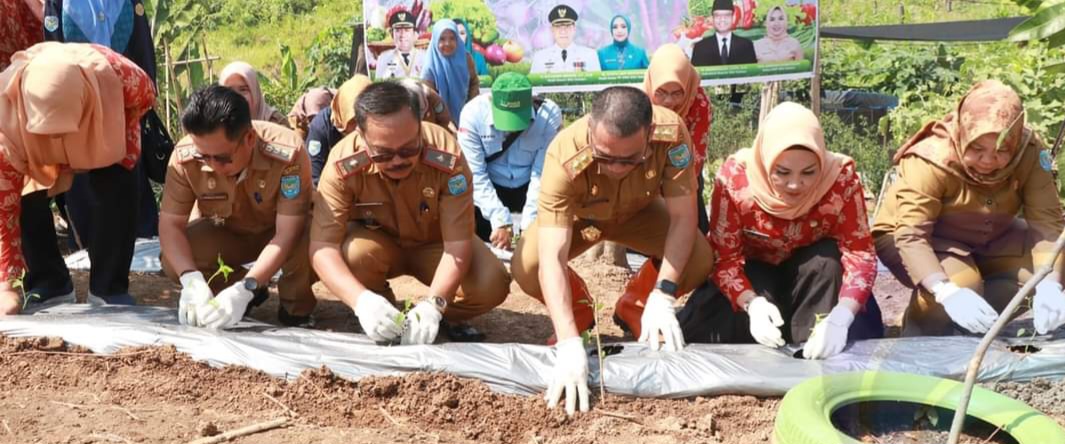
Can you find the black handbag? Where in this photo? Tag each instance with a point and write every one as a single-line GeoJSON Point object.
{"type": "Point", "coordinates": [156, 146]}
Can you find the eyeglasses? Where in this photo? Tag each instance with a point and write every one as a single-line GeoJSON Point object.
{"type": "Point", "coordinates": [223, 159]}
{"type": "Point", "coordinates": [661, 94]}
{"type": "Point", "coordinates": [610, 160]}
{"type": "Point", "coordinates": [384, 156]}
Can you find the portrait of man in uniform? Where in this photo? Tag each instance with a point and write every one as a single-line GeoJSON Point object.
{"type": "Point", "coordinates": [564, 55]}
{"type": "Point", "coordinates": [405, 60]}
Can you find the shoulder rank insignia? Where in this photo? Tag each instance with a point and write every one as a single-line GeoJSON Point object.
{"type": "Point", "coordinates": [279, 152]}
{"type": "Point", "coordinates": [441, 160]}
{"type": "Point", "coordinates": [579, 162]}
{"type": "Point", "coordinates": [186, 153]}
{"type": "Point", "coordinates": [665, 132]}
{"type": "Point", "coordinates": [353, 164]}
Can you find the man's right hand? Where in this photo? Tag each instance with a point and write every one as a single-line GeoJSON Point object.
{"type": "Point", "coordinates": [194, 291]}
{"type": "Point", "coordinates": [377, 317]}
{"type": "Point", "coordinates": [501, 237]}
{"type": "Point", "coordinates": [570, 373]}
{"type": "Point", "coordinates": [965, 307]}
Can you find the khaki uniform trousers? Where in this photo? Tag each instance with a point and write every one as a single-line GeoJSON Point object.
{"type": "Point", "coordinates": [644, 232]}
{"type": "Point", "coordinates": [237, 249]}
{"type": "Point", "coordinates": [374, 257]}
{"type": "Point", "coordinates": [996, 278]}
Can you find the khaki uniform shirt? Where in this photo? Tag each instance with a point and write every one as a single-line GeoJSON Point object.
{"type": "Point", "coordinates": [929, 210]}
{"type": "Point", "coordinates": [433, 204]}
{"type": "Point", "coordinates": [276, 181]}
{"type": "Point", "coordinates": [573, 188]}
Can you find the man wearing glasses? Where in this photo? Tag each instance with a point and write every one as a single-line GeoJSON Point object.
{"type": "Point", "coordinates": [623, 174]}
{"type": "Point", "coordinates": [395, 199]}
{"type": "Point", "coordinates": [251, 181]}
{"type": "Point", "coordinates": [564, 55]}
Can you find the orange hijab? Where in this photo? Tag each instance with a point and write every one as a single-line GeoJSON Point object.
{"type": "Point", "coordinates": [52, 111]}
{"type": "Point", "coordinates": [343, 106]}
{"type": "Point", "coordinates": [990, 107]}
{"type": "Point", "coordinates": [671, 65]}
{"type": "Point", "coordinates": [786, 126]}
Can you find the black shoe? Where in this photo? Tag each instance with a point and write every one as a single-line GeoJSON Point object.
{"type": "Point", "coordinates": [461, 332]}
{"type": "Point", "coordinates": [290, 320]}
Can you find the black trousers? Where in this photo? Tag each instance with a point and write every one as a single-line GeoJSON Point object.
{"type": "Point", "coordinates": [704, 218]}
{"type": "Point", "coordinates": [512, 198]}
{"type": "Point", "coordinates": [107, 200]}
{"type": "Point", "coordinates": [803, 286]}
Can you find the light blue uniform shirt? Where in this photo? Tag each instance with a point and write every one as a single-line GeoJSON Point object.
{"type": "Point", "coordinates": [521, 164]}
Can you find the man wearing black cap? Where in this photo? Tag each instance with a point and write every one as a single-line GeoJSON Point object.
{"type": "Point", "coordinates": [405, 60]}
{"type": "Point", "coordinates": [725, 48]}
{"type": "Point", "coordinates": [564, 55]}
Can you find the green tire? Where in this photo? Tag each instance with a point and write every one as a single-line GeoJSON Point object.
{"type": "Point", "coordinates": [804, 414]}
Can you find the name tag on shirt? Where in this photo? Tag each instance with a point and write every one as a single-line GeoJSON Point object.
{"type": "Point", "coordinates": [756, 234]}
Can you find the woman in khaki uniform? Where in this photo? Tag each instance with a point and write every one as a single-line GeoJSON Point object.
{"type": "Point", "coordinates": [974, 211]}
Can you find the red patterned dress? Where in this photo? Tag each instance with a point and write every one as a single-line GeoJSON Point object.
{"type": "Point", "coordinates": [698, 122]}
{"type": "Point", "coordinates": [19, 29]}
{"type": "Point", "coordinates": [138, 95]}
{"type": "Point", "coordinates": [740, 229]}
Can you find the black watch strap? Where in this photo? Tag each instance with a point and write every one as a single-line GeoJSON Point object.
{"type": "Point", "coordinates": [667, 286]}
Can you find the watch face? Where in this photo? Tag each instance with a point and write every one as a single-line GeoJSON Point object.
{"type": "Point", "coordinates": [251, 284]}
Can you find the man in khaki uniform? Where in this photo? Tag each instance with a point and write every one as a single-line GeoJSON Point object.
{"type": "Point", "coordinates": [395, 199]}
{"type": "Point", "coordinates": [251, 182]}
{"type": "Point", "coordinates": [622, 174]}
{"type": "Point", "coordinates": [951, 226]}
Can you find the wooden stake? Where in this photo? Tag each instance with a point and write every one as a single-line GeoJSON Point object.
{"type": "Point", "coordinates": [243, 431]}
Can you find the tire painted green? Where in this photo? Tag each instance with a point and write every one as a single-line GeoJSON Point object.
{"type": "Point", "coordinates": [804, 416]}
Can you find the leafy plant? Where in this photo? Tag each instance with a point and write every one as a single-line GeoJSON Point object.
{"type": "Point", "coordinates": [223, 270]}
{"type": "Point", "coordinates": [482, 20]}
{"type": "Point", "coordinates": [597, 308]}
{"type": "Point", "coordinates": [401, 318]}
{"type": "Point", "coordinates": [283, 91]}
{"type": "Point", "coordinates": [1047, 22]}
{"type": "Point", "coordinates": [331, 51]}
{"type": "Point", "coordinates": [19, 283]}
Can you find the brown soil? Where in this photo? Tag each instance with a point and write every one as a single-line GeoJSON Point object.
{"type": "Point", "coordinates": [925, 437]}
{"type": "Point", "coordinates": [55, 394]}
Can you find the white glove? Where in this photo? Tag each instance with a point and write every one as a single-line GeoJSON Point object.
{"type": "Point", "coordinates": [765, 322]}
{"type": "Point", "coordinates": [659, 316]}
{"type": "Point", "coordinates": [422, 324]}
{"type": "Point", "coordinates": [377, 317]}
{"type": "Point", "coordinates": [226, 309]}
{"type": "Point", "coordinates": [571, 373]}
{"type": "Point", "coordinates": [1049, 306]}
{"type": "Point", "coordinates": [830, 335]}
{"type": "Point", "coordinates": [194, 292]}
{"type": "Point", "coordinates": [965, 307]}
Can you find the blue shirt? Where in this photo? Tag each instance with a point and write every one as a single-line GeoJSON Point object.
{"type": "Point", "coordinates": [634, 57]}
{"type": "Point", "coordinates": [521, 164]}
{"type": "Point", "coordinates": [321, 136]}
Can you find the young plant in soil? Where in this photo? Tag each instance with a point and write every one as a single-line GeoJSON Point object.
{"type": "Point", "coordinates": [223, 270]}
{"type": "Point", "coordinates": [401, 318]}
{"type": "Point", "coordinates": [597, 308]}
{"type": "Point", "coordinates": [20, 284]}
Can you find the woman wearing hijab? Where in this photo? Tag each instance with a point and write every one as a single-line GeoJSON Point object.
{"type": "Point", "coordinates": [43, 139]}
{"type": "Point", "coordinates": [467, 40]}
{"type": "Point", "coordinates": [241, 77]}
{"type": "Point", "coordinates": [433, 108]}
{"type": "Point", "coordinates": [793, 244]}
{"type": "Point", "coordinates": [450, 70]}
{"type": "Point", "coordinates": [672, 82]}
{"type": "Point", "coordinates": [777, 45]}
{"type": "Point", "coordinates": [973, 213]}
{"type": "Point", "coordinates": [333, 123]}
{"type": "Point", "coordinates": [622, 54]}
{"type": "Point", "coordinates": [307, 107]}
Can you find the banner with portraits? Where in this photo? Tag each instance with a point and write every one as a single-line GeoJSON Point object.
{"type": "Point", "coordinates": [585, 45]}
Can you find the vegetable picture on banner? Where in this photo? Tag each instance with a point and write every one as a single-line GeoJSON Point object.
{"type": "Point", "coordinates": [583, 45]}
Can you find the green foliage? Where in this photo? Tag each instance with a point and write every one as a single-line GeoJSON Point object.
{"type": "Point", "coordinates": [19, 283]}
{"type": "Point", "coordinates": [331, 53]}
{"type": "Point", "coordinates": [283, 91]}
{"type": "Point", "coordinates": [481, 19]}
{"type": "Point", "coordinates": [223, 270]}
{"type": "Point", "coordinates": [1047, 22]}
{"type": "Point", "coordinates": [700, 8]}
{"type": "Point", "coordinates": [401, 317]}
{"type": "Point", "coordinates": [859, 141]}
{"type": "Point", "coordinates": [262, 11]}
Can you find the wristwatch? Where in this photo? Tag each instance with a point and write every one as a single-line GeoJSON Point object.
{"type": "Point", "coordinates": [251, 284]}
{"type": "Point", "coordinates": [438, 302]}
{"type": "Point", "coordinates": [667, 286]}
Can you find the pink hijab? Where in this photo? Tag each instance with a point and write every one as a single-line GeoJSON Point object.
{"type": "Point", "coordinates": [52, 111]}
{"type": "Point", "coordinates": [260, 110]}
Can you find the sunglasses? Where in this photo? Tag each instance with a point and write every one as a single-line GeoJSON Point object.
{"type": "Point", "coordinates": [385, 156]}
{"type": "Point", "coordinates": [612, 160]}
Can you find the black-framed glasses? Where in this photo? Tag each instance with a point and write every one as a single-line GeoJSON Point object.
{"type": "Point", "coordinates": [623, 161]}
{"type": "Point", "coordinates": [223, 159]}
{"type": "Point", "coordinates": [385, 156]}
{"type": "Point", "coordinates": [661, 95]}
